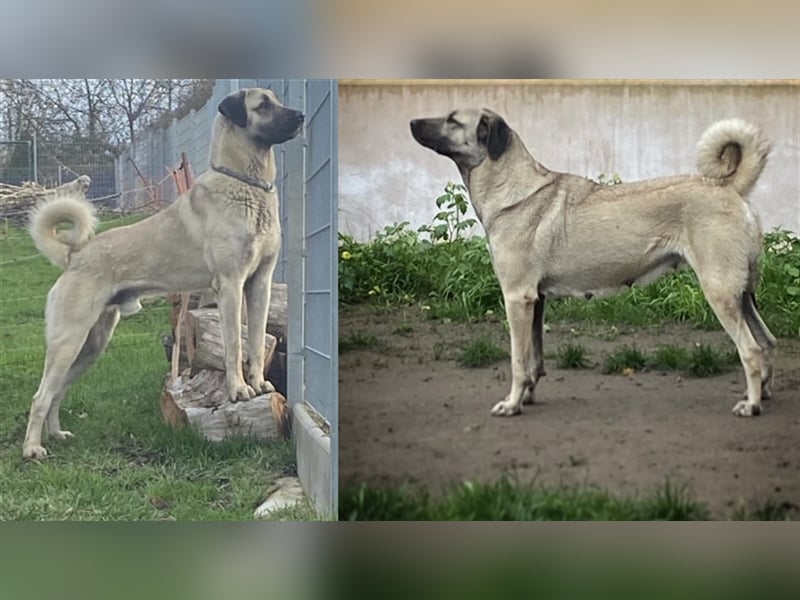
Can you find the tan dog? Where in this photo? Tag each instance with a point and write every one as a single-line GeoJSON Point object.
{"type": "Point", "coordinates": [223, 234]}
{"type": "Point", "coordinates": [556, 234]}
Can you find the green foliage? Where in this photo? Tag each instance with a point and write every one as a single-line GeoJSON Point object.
{"type": "Point", "coordinates": [447, 225]}
{"type": "Point", "coordinates": [572, 356]}
{"type": "Point", "coordinates": [626, 357]}
{"type": "Point", "coordinates": [705, 361]}
{"type": "Point", "coordinates": [770, 510]}
{"type": "Point", "coordinates": [669, 358]}
{"type": "Point", "coordinates": [604, 179]}
{"type": "Point", "coordinates": [436, 265]}
{"type": "Point", "coordinates": [441, 268]}
{"type": "Point", "coordinates": [701, 361]}
{"type": "Point", "coordinates": [509, 500]}
{"type": "Point", "coordinates": [405, 329]}
{"type": "Point", "coordinates": [357, 341]}
{"type": "Point", "coordinates": [481, 353]}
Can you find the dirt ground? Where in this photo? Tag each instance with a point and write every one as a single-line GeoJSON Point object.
{"type": "Point", "coordinates": [409, 412]}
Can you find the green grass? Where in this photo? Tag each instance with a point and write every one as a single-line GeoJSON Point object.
{"type": "Point", "coordinates": [124, 462]}
{"type": "Point", "coordinates": [764, 511]}
{"type": "Point", "coordinates": [406, 329]}
{"type": "Point", "coordinates": [481, 353]}
{"type": "Point", "coordinates": [507, 499]}
{"type": "Point", "coordinates": [572, 356]}
{"type": "Point", "coordinates": [625, 357]}
{"type": "Point", "coordinates": [701, 361]}
{"type": "Point", "coordinates": [669, 358]}
{"type": "Point", "coordinates": [705, 361]}
{"type": "Point", "coordinates": [358, 341]}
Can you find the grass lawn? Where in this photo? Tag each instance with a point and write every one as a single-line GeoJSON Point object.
{"type": "Point", "coordinates": [511, 500]}
{"type": "Point", "coordinates": [124, 462]}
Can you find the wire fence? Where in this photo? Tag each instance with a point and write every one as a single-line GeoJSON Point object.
{"type": "Point", "coordinates": [51, 163]}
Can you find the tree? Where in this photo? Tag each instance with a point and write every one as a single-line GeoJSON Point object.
{"type": "Point", "coordinates": [90, 121]}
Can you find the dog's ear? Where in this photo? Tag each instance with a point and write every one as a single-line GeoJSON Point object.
{"type": "Point", "coordinates": [233, 109]}
{"type": "Point", "coordinates": [494, 132]}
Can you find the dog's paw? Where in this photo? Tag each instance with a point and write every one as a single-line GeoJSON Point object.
{"type": "Point", "coordinates": [61, 435]}
{"type": "Point", "coordinates": [34, 451]}
{"type": "Point", "coordinates": [504, 408]}
{"type": "Point", "coordinates": [261, 386]}
{"type": "Point", "coordinates": [745, 409]}
{"type": "Point", "coordinates": [241, 393]}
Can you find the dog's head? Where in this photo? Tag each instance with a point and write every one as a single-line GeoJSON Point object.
{"type": "Point", "coordinates": [261, 115]}
{"type": "Point", "coordinates": [467, 136]}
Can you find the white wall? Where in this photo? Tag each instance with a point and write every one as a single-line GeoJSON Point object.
{"type": "Point", "coordinates": [636, 129]}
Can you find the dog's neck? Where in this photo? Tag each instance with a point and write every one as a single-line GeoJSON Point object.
{"type": "Point", "coordinates": [496, 185]}
{"type": "Point", "coordinates": [242, 155]}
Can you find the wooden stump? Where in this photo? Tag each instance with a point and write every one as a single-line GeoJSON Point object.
{"type": "Point", "coordinates": [202, 402]}
{"type": "Point", "coordinates": [277, 317]}
{"type": "Point", "coordinates": [198, 397]}
{"type": "Point", "coordinates": [204, 328]}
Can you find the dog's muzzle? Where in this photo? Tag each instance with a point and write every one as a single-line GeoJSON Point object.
{"type": "Point", "coordinates": [421, 130]}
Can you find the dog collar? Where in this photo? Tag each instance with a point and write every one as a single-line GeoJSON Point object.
{"type": "Point", "coordinates": [267, 186]}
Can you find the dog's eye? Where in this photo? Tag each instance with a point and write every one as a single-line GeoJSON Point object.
{"type": "Point", "coordinates": [451, 119]}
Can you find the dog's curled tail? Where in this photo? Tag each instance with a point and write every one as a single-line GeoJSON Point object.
{"type": "Point", "coordinates": [733, 151]}
{"type": "Point", "coordinates": [67, 205]}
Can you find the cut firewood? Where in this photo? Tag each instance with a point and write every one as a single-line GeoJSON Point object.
{"type": "Point", "coordinates": [209, 352]}
{"type": "Point", "coordinates": [277, 318]}
{"type": "Point", "coordinates": [202, 402]}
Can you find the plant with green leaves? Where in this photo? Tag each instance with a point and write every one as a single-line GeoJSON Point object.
{"type": "Point", "coordinates": [448, 224]}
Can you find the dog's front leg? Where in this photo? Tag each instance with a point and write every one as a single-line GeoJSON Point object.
{"type": "Point", "coordinates": [520, 321]}
{"type": "Point", "coordinates": [537, 358]}
{"type": "Point", "coordinates": [229, 294]}
{"type": "Point", "coordinates": [257, 293]}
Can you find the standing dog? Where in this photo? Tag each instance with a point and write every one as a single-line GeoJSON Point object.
{"type": "Point", "coordinates": [223, 234]}
{"type": "Point", "coordinates": [556, 234]}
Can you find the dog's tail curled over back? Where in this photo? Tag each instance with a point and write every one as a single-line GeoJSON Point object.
{"type": "Point", "coordinates": [733, 151]}
{"type": "Point", "coordinates": [67, 205]}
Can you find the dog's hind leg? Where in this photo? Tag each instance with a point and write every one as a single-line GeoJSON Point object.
{"type": "Point", "coordinates": [765, 339]}
{"type": "Point", "coordinates": [727, 306]}
{"type": "Point", "coordinates": [520, 321]}
{"type": "Point", "coordinates": [62, 350]}
{"type": "Point", "coordinates": [538, 351]}
{"type": "Point", "coordinates": [93, 347]}
{"type": "Point", "coordinates": [257, 291]}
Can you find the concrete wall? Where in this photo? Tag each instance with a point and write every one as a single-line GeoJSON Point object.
{"type": "Point", "coordinates": [636, 129]}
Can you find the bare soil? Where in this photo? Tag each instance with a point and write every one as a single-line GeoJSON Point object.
{"type": "Point", "coordinates": [409, 413]}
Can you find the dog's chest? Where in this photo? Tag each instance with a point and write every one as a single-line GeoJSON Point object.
{"type": "Point", "coordinates": [258, 208]}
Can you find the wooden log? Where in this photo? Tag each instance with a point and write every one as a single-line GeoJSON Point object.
{"type": "Point", "coordinates": [209, 351]}
{"type": "Point", "coordinates": [202, 402]}
{"type": "Point", "coordinates": [277, 318]}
